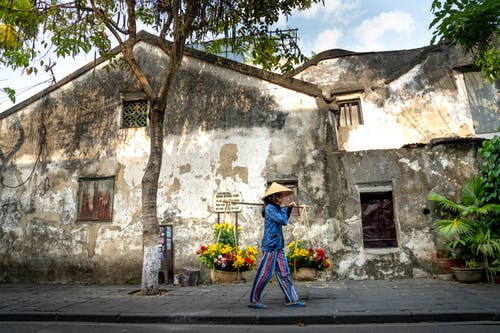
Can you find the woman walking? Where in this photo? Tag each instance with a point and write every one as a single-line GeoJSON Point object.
{"type": "Point", "coordinates": [274, 259]}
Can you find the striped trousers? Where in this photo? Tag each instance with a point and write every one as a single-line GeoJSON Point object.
{"type": "Point", "coordinates": [273, 261]}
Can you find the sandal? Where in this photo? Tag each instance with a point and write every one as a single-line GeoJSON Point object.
{"type": "Point", "coordinates": [258, 305]}
{"type": "Point", "coordinates": [297, 304]}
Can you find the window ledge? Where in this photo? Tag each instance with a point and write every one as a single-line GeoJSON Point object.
{"type": "Point", "coordinates": [384, 250]}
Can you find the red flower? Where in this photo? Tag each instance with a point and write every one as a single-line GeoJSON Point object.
{"type": "Point", "coordinates": [321, 252]}
{"type": "Point", "coordinates": [203, 248]}
{"type": "Point", "coordinates": [249, 261]}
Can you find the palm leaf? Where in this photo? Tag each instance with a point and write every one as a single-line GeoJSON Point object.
{"type": "Point", "coordinates": [444, 203]}
{"type": "Point", "coordinates": [472, 192]}
{"type": "Point", "coordinates": [483, 243]}
{"type": "Point", "coordinates": [452, 228]}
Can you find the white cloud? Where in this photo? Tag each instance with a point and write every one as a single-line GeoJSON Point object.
{"type": "Point", "coordinates": [371, 31]}
{"type": "Point", "coordinates": [334, 10]}
{"type": "Point", "coordinates": [326, 40]}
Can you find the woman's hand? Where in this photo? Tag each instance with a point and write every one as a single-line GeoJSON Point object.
{"type": "Point", "coordinates": [292, 204]}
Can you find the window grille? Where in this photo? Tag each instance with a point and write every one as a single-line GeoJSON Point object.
{"type": "Point", "coordinates": [135, 113]}
{"type": "Point", "coordinates": [379, 230]}
{"type": "Point", "coordinates": [350, 113]}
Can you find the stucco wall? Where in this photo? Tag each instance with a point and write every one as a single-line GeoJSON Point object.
{"type": "Point", "coordinates": [409, 96]}
{"type": "Point", "coordinates": [225, 132]}
{"type": "Point", "coordinates": [410, 174]}
{"type": "Point", "coordinates": [229, 131]}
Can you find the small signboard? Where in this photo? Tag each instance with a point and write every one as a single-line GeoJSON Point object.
{"type": "Point", "coordinates": [225, 202]}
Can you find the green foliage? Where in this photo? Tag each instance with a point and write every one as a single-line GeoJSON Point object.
{"type": "Point", "coordinates": [80, 26]}
{"type": "Point", "coordinates": [11, 93]}
{"type": "Point", "coordinates": [473, 24]}
{"type": "Point", "coordinates": [470, 225]}
{"type": "Point", "coordinates": [226, 233]}
{"type": "Point", "coordinates": [33, 28]}
{"type": "Point", "coordinates": [19, 26]}
{"type": "Point", "coordinates": [490, 154]}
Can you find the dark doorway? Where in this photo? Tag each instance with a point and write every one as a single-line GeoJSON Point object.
{"type": "Point", "coordinates": [379, 230]}
{"type": "Point", "coordinates": [166, 248]}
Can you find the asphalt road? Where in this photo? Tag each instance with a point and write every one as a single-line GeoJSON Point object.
{"type": "Point", "coordinates": [76, 327]}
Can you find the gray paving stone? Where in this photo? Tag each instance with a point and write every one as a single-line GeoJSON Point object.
{"type": "Point", "coordinates": [370, 301]}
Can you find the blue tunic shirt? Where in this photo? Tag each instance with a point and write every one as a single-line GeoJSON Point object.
{"type": "Point", "coordinates": [275, 217]}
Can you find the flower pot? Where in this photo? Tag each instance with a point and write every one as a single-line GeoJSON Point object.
{"type": "Point", "coordinates": [468, 275]}
{"type": "Point", "coordinates": [217, 276]}
{"type": "Point", "coordinates": [305, 274]}
{"type": "Point", "coordinates": [445, 264]}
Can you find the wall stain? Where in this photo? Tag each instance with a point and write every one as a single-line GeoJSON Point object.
{"type": "Point", "coordinates": [229, 154]}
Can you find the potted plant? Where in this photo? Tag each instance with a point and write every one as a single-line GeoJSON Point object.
{"type": "Point", "coordinates": [305, 263]}
{"type": "Point", "coordinates": [471, 227]}
{"type": "Point", "coordinates": [495, 270]}
{"type": "Point", "coordinates": [225, 258]}
{"type": "Point", "coordinates": [447, 256]}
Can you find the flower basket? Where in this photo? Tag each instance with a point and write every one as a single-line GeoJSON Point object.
{"type": "Point", "coordinates": [226, 259]}
{"type": "Point", "coordinates": [218, 276]}
{"type": "Point", "coordinates": [305, 264]}
{"type": "Point", "coordinates": [305, 274]}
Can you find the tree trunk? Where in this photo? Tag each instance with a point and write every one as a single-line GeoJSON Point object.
{"type": "Point", "coordinates": [151, 259]}
{"type": "Point", "coordinates": [150, 228]}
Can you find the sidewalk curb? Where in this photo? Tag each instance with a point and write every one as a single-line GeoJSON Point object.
{"type": "Point", "coordinates": [258, 319]}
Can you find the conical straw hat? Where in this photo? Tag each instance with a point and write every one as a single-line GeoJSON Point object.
{"type": "Point", "coordinates": [277, 188]}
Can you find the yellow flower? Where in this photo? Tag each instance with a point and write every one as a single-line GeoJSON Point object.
{"type": "Point", "coordinates": [226, 248]}
{"type": "Point", "coordinates": [251, 251]}
{"type": "Point", "coordinates": [239, 261]}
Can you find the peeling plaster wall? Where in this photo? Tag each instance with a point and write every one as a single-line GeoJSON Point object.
{"type": "Point", "coordinates": [225, 132]}
{"type": "Point", "coordinates": [46, 147]}
{"type": "Point", "coordinates": [412, 173]}
{"type": "Point", "coordinates": [410, 96]}
{"type": "Point", "coordinates": [228, 132]}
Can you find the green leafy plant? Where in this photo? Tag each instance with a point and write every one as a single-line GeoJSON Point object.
{"type": "Point", "coordinates": [472, 24]}
{"type": "Point", "coordinates": [490, 154]}
{"type": "Point", "coordinates": [495, 267]}
{"type": "Point", "coordinates": [470, 225]}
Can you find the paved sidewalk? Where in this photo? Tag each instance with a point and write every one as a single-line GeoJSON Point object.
{"type": "Point", "coordinates": [343, 302]}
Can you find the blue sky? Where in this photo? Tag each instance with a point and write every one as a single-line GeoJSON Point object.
{"type": "Point", "coordinates": [355, 25]}
{"type": "Point", "coordinates": [363, 25]}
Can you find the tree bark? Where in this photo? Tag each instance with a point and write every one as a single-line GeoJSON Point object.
{"type": "Point", "coordinates": [151, 258]}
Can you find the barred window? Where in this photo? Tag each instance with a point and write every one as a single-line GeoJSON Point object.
{"type": "Point", "coordinates": [135, 113]}
{"type": "Point", "coordinates": [350, 113]}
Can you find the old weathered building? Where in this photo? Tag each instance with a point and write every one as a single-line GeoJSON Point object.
{"type": "Point", "coordinates": [362, 137]}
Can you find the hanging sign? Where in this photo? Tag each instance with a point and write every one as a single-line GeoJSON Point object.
{"type": "Point", "coordinates": [225, 202]}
